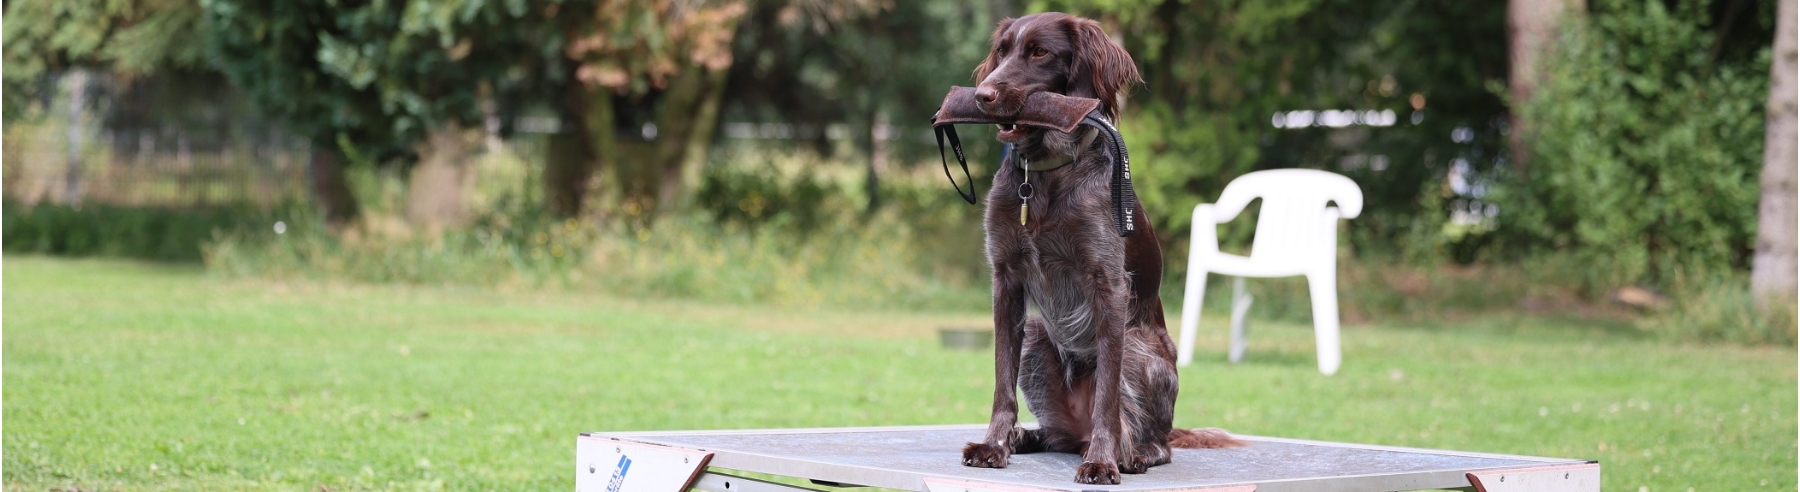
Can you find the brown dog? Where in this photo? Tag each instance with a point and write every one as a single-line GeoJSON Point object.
{"type": "Point", "coordinates": [1095, 363]}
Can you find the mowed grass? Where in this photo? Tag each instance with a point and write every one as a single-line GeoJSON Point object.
{"type": "Point", "coordinates": [128, 376]}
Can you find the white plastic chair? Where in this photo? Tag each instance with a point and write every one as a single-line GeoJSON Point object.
{"type": "Point", "coordinates": [1296, 234]}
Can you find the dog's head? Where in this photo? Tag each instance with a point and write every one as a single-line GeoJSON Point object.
{"type": "Point", "coordinates": [1053, 52]}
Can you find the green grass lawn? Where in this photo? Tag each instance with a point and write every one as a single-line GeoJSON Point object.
{"type": "Point", "coordinates": [122, 375]}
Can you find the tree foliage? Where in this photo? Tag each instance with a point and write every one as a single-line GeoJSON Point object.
{"type": "Point", "coordinates": [833, 62]}
{"type": "Point", "coordinates": [653, 70]}
{"type": "Point", "coordinates": [1217, 72]}
{"type": "Point", "coordinates": [374, 76]}
{"type": "Point", "coordinates": [864, 64]}
{"type": "Point", "coordinates": [1644, 133]}
{"type": "Point", "coordinates": [635, 47]}
{"type": "Point", "coordinates": [1650, 138]}
{"type": "Point", "coordinates": [129, 37]}
{"type": "Point", "coordinates": [368, 81]}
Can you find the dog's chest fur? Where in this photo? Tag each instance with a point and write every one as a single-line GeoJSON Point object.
{"type": "Point", "coordinates": [1066, 254]}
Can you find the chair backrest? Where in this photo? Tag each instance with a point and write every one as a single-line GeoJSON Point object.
{"type": "Point", "coordinates": [1292, 201]}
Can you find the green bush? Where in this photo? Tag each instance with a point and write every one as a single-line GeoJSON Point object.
{"type": "Point", "coordinates": [150, 233]}
{"type": "Point", "coordinates": [1722, 310]}
{"type": "Point", "coordinates": [737, 195]}
{"type": "Point", "coordinates": [756, 236]}
{"type": "Point", "coordinates": [679, 257]}
{"type": "Point", "coordinates": [1646, 150]}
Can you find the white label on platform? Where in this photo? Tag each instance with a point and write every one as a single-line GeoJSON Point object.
{"type": "Point", "coordinates": [609, 465]}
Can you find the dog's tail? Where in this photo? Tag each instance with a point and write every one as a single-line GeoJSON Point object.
{"type": "Point", "coordinates": [1204, 438]}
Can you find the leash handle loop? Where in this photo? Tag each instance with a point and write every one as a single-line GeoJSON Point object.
{"type": "Point", "coordinates": [1124, 197]}
{"type": "Point", "coordinates": [955, 145]}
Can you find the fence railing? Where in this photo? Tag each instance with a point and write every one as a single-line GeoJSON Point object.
{"type": "Point", "coordinates": [42, 167]}
{"type": "Point", "coordinates": [150, 141]}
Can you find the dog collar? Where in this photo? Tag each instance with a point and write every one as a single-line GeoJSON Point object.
{"type": "Point", "coordinates": [1061, 160]}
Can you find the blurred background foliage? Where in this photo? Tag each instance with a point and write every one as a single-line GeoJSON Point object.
{"type": "Point", "coordinates": [1647, 149]}
{"type": "Point", "coordinates": [778, 150]}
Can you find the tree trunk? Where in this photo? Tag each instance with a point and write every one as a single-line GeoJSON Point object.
{"type": "Point", "coordinates": [684, 173]}
{"type": "Point", "coordinates": [877, 150]}
{"type": "Point", "coordinates": [677, 123]}
{"type": "Point", "coordinates": [577, 151]}
{"type": "Point", "coordinates": [653, 169]}
{"type": "Point", "coordinates": [567, 164]}
{"type": "Point", "coordinates": [1531, 29]}
{"type": "Point", "coordinates": [1773, 270]}
{"type": "Point", "coordinates": [442, 179]}
{"type": "Point", "coordinates": [637, 173]}
{"type": "Point", "coordinates": [329, 189]}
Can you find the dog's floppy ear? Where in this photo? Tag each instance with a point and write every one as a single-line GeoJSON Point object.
{"type": "Point", "coordinates": [1101, 69]}
{"type": "Point", "coordinates": [988, 65]}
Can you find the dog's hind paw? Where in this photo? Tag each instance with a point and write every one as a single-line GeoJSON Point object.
{"type": "Point", "coordinates": [985, 455]}
{"type": "Point", "coordinates": [1137, 465]}
{"type": "Point", "coordinates": [1095, 473]}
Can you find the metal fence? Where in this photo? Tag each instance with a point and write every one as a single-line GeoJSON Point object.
{"type": "Point", "coordinates": [192, 140]}
{"type": "Point", "coordinates": [148, 142]}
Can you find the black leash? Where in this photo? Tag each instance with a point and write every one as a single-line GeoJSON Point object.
{"type": "Point", "coordinates": [1124, 197]}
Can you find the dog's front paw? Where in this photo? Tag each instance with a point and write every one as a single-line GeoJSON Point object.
{"type": "Point", "coordinates": [1097, 473]}
{"type": "Point", "coordinates": [985, 455]}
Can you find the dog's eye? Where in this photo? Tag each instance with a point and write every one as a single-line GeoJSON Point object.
{"type": "Point", "coordinates": [1039, 51]}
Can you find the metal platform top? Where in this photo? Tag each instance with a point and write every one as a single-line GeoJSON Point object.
{"type": "Point", "coordinates": [904, 457]}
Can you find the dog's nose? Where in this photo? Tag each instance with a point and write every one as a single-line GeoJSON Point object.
{"type": "Point", "coordinates": [986, 95]}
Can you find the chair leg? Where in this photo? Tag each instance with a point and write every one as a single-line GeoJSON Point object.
{"type": "Point", "coordinates": [1202, 239]}
{"type": "Point", "coordinates": [1190, 315]}
{"type": "Point", "coordinates": [1240, 311]}
{"type": "Point", "coordinates": [1323, 285]}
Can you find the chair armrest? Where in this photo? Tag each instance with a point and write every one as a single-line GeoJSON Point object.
{"type": "Point", "coordinates": [1204, 231]}
{"type": "Point", "coordinates": [1230, 205]}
